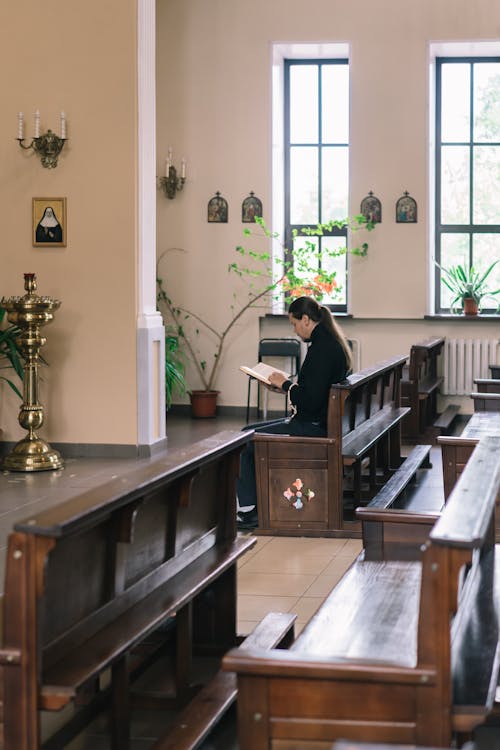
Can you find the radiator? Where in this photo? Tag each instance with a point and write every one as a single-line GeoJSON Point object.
{"type": "Point", "coordinates": [464, 360]}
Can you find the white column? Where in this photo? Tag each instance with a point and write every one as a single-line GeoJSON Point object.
{"type": "Point", "coordinates": [150, 331]}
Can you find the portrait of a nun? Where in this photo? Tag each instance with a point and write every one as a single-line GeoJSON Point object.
{"type": "Point", "coordinates": [48, 228]}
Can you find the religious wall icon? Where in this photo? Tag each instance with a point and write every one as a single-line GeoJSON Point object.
{"type": "Point", "coordinates": [49, 222]}
{"type": "Point", "coordinates": [371, 208]}
{"type": "Point", "coordinates": [406, 209]}
{"type": "Point", "coordinates": [250, 208]}
{"type": "Point", "coordinates": [217, 209]}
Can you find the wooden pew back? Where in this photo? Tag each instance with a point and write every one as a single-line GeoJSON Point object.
{"type": "Point", "coordinates": [419, 388]}
{"type": "Point", "coordinates": [89, 579]}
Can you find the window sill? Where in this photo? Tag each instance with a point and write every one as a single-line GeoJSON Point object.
{"type": "Point", "coordinates": [461, 318]}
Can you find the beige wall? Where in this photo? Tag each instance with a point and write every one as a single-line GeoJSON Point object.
{"type": "Point", "coordinates": [214, 107]}
{"type": "Point", "coordinates": [81, 59]}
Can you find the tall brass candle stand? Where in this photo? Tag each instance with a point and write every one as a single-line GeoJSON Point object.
{"type": "Point", "coordinates": [30, 313]}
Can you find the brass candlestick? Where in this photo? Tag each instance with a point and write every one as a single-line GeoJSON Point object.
{"type": "Point", "coordinates": [30, 313]}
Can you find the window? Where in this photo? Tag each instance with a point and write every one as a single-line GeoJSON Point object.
{"type": "Point", "coordinates": [316, 153]}
{"type": "Point", "coordinates": [467, 222]}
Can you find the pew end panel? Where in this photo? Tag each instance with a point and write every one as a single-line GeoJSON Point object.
{"type": "Point", "coordinates": [299, 481]}
{"type": "Point", "coordinates": [310, 486]}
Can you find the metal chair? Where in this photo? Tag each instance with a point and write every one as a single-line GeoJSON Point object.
{"type": "Point", "coordinates": [283, 347]}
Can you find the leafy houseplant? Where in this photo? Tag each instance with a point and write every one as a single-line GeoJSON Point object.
{"type": "Point", "coordinates": [467, 286]}
{"type": "Point", "coordinates": [300, 272]}
{"type": "Point", "coordinates": [10, 355]}
{"type": "Point", "coordinates": [174, 368]}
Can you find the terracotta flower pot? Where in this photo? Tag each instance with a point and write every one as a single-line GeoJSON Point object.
{"type": "Point", "coordinates": [203, 404]}
{"type": "Point", "coordinates": [470, 306]}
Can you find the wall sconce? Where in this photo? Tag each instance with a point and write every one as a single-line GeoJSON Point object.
{"type": "Point", "coordinates": [171, 183]}
{"type": "Point", "coordinates": [49, 145]}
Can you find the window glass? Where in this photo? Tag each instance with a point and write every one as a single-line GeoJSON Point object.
{"type": "Point", "coordinates": [487, 102]}
{"type": "Point", "coordinates": [304, 185]}
{"type": "Point", "coordinates": [486, 206]}
{"type": "Point", "coordinates": [455, 185]}
{"type": "Point", "coordinates": [455, 120]}
{"type": "Point", "coordinates": [335, 170]}
{"type": "Point", "coordinates": [304, 104]}
{"type": "Point", "coordinates": [335, 104]}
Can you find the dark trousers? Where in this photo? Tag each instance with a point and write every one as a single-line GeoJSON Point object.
{"type": "Point", "coordinates": [246, 486]}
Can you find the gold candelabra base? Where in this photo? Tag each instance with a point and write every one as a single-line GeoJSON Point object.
{"type": "Point", "coordinates": [33, 454]}
{"type": "Point", "coordinates": [30, 313]}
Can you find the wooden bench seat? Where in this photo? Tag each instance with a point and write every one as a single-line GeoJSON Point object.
{"type": "Point", "coordinates": [88, 580]}
{"type": "Point", "coordinates": [392, 528]}
{"type": "Point", "coordinates": [445, 419]}
{"type": "Point", "coordinates": [401, 651]}
{"type": "Point", "coordinates": [362, 439]}
{"type": "Point", "coordinates": [364, 427]}
{"type": "Point", "coordinates": [196, 721]}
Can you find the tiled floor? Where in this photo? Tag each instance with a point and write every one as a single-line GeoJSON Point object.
{"type": "Point", "coordinates": [280, 573]}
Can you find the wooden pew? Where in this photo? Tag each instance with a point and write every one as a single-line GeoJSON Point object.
{"type": "Point", "coordinates": [90, 579]}
{"type": "Point", "coordinates": [392, 528]}
{"type": "Point", "coordinates": [419, 390]}
{"type": "Point", "coordinates": [400, 652]}
{"type": "Point", "coordinates": [487, 385]}
{"type": "Point", "coordinates": [363, 442]}
{"type": "Point", "coordinates": [486, 401]}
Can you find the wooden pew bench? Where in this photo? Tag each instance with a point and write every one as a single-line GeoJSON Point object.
{"type": "Point", "coordinates": [419, 389]}
{"type": "Point", "coordinates": [90, 579]}
{"type": "Point", "coordinates": [360, 452]}
{"type": "Point", "coordinates": [392, 527]}
{"type": "Point", "coordinates": [400, 651]}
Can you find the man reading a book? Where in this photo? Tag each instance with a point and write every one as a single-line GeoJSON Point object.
{"type": "Point", "coordinates": [328, 360]}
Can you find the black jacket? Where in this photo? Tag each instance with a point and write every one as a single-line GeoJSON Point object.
{"type": "Point", "coordinates": [324, 364]}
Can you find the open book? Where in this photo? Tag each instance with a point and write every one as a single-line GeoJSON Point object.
{"type": "Point", "coordinates": [261, 372]}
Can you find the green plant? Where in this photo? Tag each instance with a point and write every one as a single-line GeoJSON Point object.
{"type": "Point", "coordinates": [301, 271]}
{"type": "Point", "coordinates": [465, 282]}
{"type": "Point", "coordinates": [174, 368]}
{"type": "Point", "coordinates": [10, 355]}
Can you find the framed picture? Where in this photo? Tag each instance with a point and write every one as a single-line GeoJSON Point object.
{"type": "Point", "coordinates": [217, 209]}
{"type": "Point", "coordinates": [250, 208]}
{"type": "Point", "coordinates": [49, 222]}
{"type": "Point", "coordinates": [406, 209]}
{"type": "Point", "coordinates": [371, 208]}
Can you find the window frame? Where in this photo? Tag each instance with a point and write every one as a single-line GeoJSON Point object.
{"type": "Point", "coordinates": [289, 228]}
{"type": "Point", "coordinates": [469, 229]}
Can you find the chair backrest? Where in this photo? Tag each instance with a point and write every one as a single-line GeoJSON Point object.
{"type": "Point", "coordinates": [284, 347]}
{"type": "Point", "coordinates": [279, 347]}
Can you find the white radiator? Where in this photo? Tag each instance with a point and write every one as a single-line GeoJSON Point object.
{"type": "Point", "coordinates": [464, 360]}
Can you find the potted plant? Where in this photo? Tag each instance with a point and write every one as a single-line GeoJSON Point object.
{"type": "Point", "coordinates": [467, 286]}
{"type": "Point", "coordinates": [297, 276]}
{"type": "Point", "coordinates": [10, 355]}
